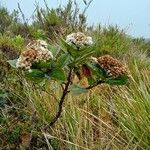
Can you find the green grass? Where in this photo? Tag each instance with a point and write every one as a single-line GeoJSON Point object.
{"type": "Point", "coordinates": [105, 118]}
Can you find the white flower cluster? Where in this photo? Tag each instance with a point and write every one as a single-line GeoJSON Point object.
{"type": "Point", "coordinates": [35, 52]}
{"type": "Point", "coordinates": [79, 39]}
{"type": "Point", "coordinates": [42, 51]}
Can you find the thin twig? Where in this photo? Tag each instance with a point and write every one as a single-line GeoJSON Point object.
{"type": "Point", "coordinates": [97, 83]}
{"type": "Point", "coordinates": [23, 17]}
{"type": "Point", "coordinates": [87, 5]}
{"type": "Point", "coordinates": [62, 99]}
{"type": "Point", "coordinates": [112, 110]}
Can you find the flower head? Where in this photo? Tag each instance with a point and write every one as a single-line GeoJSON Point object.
{"type": "Point", "coordinates": [112, 66]}
{"type": "Point", "coordinates": [34, 52]}
{"type": "Point", "coordinates": [26, 59]}
{"type": "Point", "coordinates": [79, 39]}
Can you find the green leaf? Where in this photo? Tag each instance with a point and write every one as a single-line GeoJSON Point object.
{"type": "Point", "coordinates": [73, 51]}
{"type": "Point", "coordinates": [42, 65]}
{"type": "Point", "coordinates": [54, 49]}
{"type": "Point", "coordinates": [97, 70]}
{"type": "Point", "coordinates": [63, 60]}
{"type": "Point", "coordinates": [82, 58]}
{"type": "Point", "coordinates": [76, 89]}
{"type": "Point", "coordinates": [12, 62]}
{"type": "Point", "coordinates": [35, 75]}
{"type": "Point", "coordinates": [82, 55]}
{"type": "Point", "coordinates": [91, 81]}
{"type": "Point", "coordinates": [117, 81]}
{"type": "Point", "coordinates": [58, 74]}
{"type": "Point", "coordinates": [86, 49]}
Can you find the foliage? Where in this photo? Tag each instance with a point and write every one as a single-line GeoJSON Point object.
{"type": "Point", "coordinates": [112, 40]}
{"type": "Point", "coordinates": [11, 47]}
{"type": "Point", "coordinates": [5, 19]}
{"type": "Point", "coordinates": [133, 112]}
{"type": "Point", "coordinates": [106, 117]}
{"type": "Point", "coordinates": [143, 44]}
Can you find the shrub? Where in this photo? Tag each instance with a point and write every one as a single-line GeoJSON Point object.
{"type": "Point", "coordinates": [111, 40]}
{"type": "Point", "coordinates": [11, 47]}
{"type": "Point", "coordinates": [39, 64]}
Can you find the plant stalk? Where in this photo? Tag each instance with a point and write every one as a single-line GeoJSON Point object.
{"type": "Point", "coordinates": [97, 83]}
{"type": "Point", "coordinates": [62, 99]}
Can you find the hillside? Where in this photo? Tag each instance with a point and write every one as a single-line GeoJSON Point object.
{"type": "Point", "coordinates": [61, 98]}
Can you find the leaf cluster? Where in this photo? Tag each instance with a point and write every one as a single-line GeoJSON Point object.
{"type": "Point", "coordinates": [70, 56]}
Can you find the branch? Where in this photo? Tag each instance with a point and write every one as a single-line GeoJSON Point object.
{"type": "Point", "coordinates": [97, 83]}
{"type": "Point", "coordinates": [23, 17]}
{"type": "Point", "coordinates": [87, 6]}
{"type": "Point", "coordinates": [62, 99]}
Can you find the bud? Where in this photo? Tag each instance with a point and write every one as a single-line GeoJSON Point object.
{"type": "Point", "coordinates": [86, 71]}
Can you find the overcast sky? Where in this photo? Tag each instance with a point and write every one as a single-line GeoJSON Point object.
{"type": "Point", "coordinates": [131, 15]}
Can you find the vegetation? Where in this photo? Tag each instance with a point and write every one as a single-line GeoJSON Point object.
{"type": "Point", "coordinates": [69, 102]}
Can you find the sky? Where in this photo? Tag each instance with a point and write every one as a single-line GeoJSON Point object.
{"type": "Point", "coordinates": [131, 15]}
